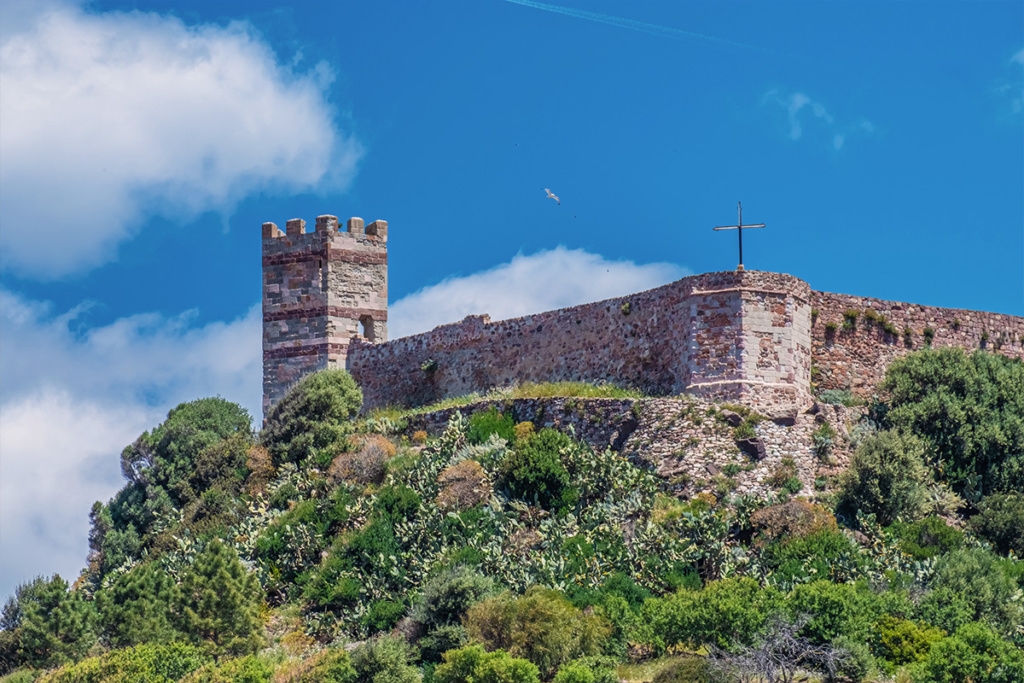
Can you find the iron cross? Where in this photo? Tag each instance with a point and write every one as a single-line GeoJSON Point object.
{"type": "Point", "coordinates": [739, 227]}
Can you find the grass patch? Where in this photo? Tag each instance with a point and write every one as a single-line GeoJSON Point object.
{"type": "Point", "coordinates": [647, 669]}
{"type": "Point", "coordinates": [524, 390]}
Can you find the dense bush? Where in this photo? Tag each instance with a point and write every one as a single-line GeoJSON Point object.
{"type": "Point", "coordinates": [201, 446]}
{"type": "Point", "coordinates": [473, 664]}
{"type": "Point", "coordinates": [148, 663]}
{"type": "Point", "coordinates": [386, 659]}
{"type": "Point", "coordinates": [975, 654]}
{"type": "Point", "coordinates": [725, 613]}
{"type": "Point", "coordinates": [827, 554]}
{"type": "Point", "coordinates": [1000, 520]}
{"type": "Point", "coordinates": [928, 538]}
{"type": "Point", "coordinates": [886, 477]}
{"type": "Point", "coordinates": [899, 641]}
{"type": "Point", "coordinates": [483, 424]}
{"type": "Point", "coordinates": [534, 471]}
{"type": "Point", "coordinates": [969, 586]}
{"type": "Point", "coordinates": [447, 596]}
{"type": "Point", "coordinates": [541, 626]}
{"type": "Point", "coordinates": [314, 415]}
{"type": "Point", "coordinates": [969, 410]}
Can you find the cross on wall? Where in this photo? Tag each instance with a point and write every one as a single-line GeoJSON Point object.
{"type": "Point", "coordinates": [739, 227]}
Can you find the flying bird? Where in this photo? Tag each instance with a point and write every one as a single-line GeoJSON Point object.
{"type": "Point", "coordinates": [555, 197]}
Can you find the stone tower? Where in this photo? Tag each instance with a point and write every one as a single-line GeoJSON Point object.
{"type": "Point", "coordinates": [320, 290]}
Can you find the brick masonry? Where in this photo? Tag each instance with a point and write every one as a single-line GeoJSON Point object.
{"type": "Point", "coordinates": [751, 337]}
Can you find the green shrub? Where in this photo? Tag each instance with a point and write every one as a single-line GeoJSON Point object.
{"type": "Point", "coordinates": [541, 626]}
{"type": "Point", "coordinates": [472, 664]}
{"type": "Point", "coordinates": [315, 414]}
{"type": "Point", "coordinates": [440, 640]}
{"type": "Point", "coordinates": [383, 615]}
{"type": "Point", "coordinates": [901, 641]}
{"type": "Point", "coordinates": [834, 610]}
{"type": "Point", "coordinates": [386, 659]}
{"type": "Point", "coordinates": [969, 411]}
{"type": "Point", "coordinates": [840, 397]}
{"type": "Point", "coordinates": [975, 654]}
{"type": "Point", "coordinates": [685, 670]}
{"type": "Point", "coordinates": [483, 424]}
{"type": "Point", "coordinates": [969, 586]}
{"type": "Point", "coordinates": [249, 669]}
{"type": "Point", "coordinates": [725, 613]}
{"type": "Point", "coordinates": [534, 471]}
{"type": "Point", "coordinates": [1000, 520]}
{"type": "Point", "coordinates": [886, 477]}
{"type": "Point", "coordinates": [446, 597]}
{"type": "Point", "coordinates": [827, 553]}
{"type": "Point", "coordinates": [928, 537]}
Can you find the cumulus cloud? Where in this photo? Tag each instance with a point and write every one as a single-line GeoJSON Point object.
{"type": "Point", "coordinates": [75, 394]}
{"type": "Point", "coordinates": [111, 117]}
{"type": "Point", "coordinates": [527, 284]}
{"type": "Point", "coordinates": [802, 111]}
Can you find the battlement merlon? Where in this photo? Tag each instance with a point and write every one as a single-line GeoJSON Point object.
{"type": "Point", "coordinates": [327, 225]}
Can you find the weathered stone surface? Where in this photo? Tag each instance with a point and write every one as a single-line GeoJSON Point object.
{"type": "Point", "coordinates": [681, 439]}
{"type": "Point", "coordinates": [753, 447]}
{"type": "Point", "coordinates": [731, 418]}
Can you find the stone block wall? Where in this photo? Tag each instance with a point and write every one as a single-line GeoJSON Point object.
{"type": "Point", "coordinates": [856, 357]}
{"type": "Point", "coordinates": [320, 290]}
{"type": "Point", "coordinates": [734, 335]}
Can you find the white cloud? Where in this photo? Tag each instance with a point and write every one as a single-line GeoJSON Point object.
{"type": "Point", "coordinates": [109, 118]}
{"type": "Point", "coordinates": [528, 284]}
{"type": "Point", "coordinates": [1015, 85]}
{"type": "Point", "coordinates": [74, 395]}
{"type": "Point", "coordinates": [803, 112]}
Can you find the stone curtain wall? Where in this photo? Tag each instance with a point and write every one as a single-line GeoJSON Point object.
{"type": "Point", "coordinates": [320, 290]}
{"type": "Point", "coordinates": [733, 335]}
{"type": "Point", "coordinates": [857, 358]}
{"type": "Point", "coordinates": [607, 341]}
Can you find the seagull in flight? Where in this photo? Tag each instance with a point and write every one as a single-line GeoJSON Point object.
{"type": "Point", "coordinates": [552, 196]}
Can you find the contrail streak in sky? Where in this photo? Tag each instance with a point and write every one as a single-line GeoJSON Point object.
{"type": "Point", "coordinates": [642, 26]}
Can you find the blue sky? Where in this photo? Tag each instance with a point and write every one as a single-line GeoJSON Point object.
{"type": "Point", "coordinates": [142, 144]}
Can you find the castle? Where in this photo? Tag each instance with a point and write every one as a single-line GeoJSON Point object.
{"type": "Point", "coordinates": [756, 338]}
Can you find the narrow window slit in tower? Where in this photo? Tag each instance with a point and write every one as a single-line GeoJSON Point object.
{"type": "Point", "coordinates": [366, 327]}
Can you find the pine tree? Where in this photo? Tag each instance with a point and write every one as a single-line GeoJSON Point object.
{"type": "Point", "coordinates": [136, 608]}
{"type": "Point", "coordinates": [218, 603]}
{"type": "Point", "coordinates": [56, 625]}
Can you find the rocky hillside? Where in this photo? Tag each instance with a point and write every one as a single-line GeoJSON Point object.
{"type": "Point", "coordinates": [556, 533]}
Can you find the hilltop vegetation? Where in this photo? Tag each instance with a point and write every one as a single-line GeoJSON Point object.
{"type": "Point", "coordinates": [333, 547]}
